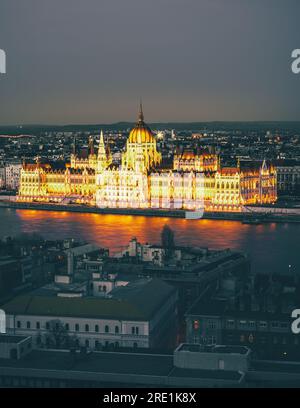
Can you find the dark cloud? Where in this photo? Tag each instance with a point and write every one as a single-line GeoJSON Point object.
{"type": "Point", "coordinates": [82, 61]}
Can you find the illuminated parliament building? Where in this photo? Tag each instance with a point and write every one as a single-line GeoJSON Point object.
{"type": "Point", "coordinates": [141, 180]}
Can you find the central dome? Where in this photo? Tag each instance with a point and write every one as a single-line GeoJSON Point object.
{"type": "Point", "coordinates": [141, 133]}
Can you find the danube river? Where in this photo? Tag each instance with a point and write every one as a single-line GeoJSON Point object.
{"type": "Point", "coordinates": [271, 247]}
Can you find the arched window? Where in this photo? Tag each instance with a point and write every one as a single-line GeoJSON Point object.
{"type": "Point", "coordinates": [117, 329]}
{"type": "Point", "coordinates": [96, 328]}
{"type": "Point", "coordinates": [76, 327]}
{"type": "Point", "coordinates": [87, 328]}
{"type": "Point", "coordinates": [106, 329]}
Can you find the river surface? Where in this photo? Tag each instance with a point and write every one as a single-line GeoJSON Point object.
{"type": "Point", "coordinates": [271, 247]}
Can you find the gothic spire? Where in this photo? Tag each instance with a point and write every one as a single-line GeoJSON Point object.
{"type": "Point", "coordinates": [101, 146]}
{"type": "Point", "coordinates": [141, 114]}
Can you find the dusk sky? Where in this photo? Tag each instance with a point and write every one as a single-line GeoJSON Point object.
{"type": "Point", "coordinates": [90, 61]}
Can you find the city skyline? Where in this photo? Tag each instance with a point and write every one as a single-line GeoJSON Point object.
{"type": "Point", "coordinates": [190, 61]}
{"type": "Point", "coordinates": [149, 197]}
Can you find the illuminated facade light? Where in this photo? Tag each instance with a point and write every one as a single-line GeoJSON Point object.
{"type": "Point", "coordinates": [196, 180]}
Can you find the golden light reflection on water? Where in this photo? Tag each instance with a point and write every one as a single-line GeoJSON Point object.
{"type": "Point", "coordinates": [272, 247]}
{"type": "Point", "coordinates": [115, 231]}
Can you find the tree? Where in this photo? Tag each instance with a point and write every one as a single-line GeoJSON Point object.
{"type": "Point", "coordinates": [167, 241]}
{"type": "Point", "coordinates": [57, 335]}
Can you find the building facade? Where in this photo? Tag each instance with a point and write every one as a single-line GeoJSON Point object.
{"type": "Point", "coordinates": [288, 177]}
{"type": "Point", "coordinates": [12, 176]}
{"type": "Point", "coordinates": [129, 317]}
{"type": "Point", "coordinates": [195, 181]}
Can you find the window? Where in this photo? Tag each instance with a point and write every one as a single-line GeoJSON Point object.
{"type": "Point", "coordinates": [211, 324]}
{"type": "Point", "coordinates": [28, 325]}
{"type": "Point", "coordinates": [87, 328]}
{"type": "Point", "coordinates": [230, 323]}
{"type": "Point", "coordinates": [18, 324]}
{"type": "Point", "coordinates": [104, 288]}
{"type": "Point", "coordinates": [47, 326]}
{"type": "Point", "coordinates": [263, 324]}
{"type": "Point", "coordinates": [87, 343]}
{"type": "Point", "coordinates": [117, 329]}
{"type": "Point", "coordinates": [38, 325]}
{"type": "Point", "coordinates": [106, 329]}
{"type": "Point", "coordinates": [76, 327]}
{"type": "Point", "coordinates": [132, 330]}
{"type": "Point", "coordinates": [67, 326]}
{"type": "Point", "coordinates": [136, 330]}
{"type": "Point", "coordinates": [96, 328]}
{"type": "Point", "coordinates": [221, 365]}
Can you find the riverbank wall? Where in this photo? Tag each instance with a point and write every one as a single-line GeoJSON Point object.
{"type": "Point", "coordinates": [273, 214]}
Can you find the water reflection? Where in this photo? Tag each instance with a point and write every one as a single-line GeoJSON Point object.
{"type": "Point", "coordinates": [272, 247]}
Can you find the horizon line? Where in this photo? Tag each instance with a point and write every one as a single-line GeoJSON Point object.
{"type": "Point", "coordinates": [152, 122]}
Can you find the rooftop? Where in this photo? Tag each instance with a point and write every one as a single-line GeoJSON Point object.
{"type": "Point", "coordinates": [199, 348]}
{"type": "Point", "coordinates": [157, 367]}
{"type": "Point", "coordinates": [137, 302]}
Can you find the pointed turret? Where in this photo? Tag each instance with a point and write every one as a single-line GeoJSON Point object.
{"type": "Point", "coordinates": [101, 147]}
{"type": "Point", "coordinates": [264, 167]}
{"type": "Point", "coordinates": [103, 159]}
